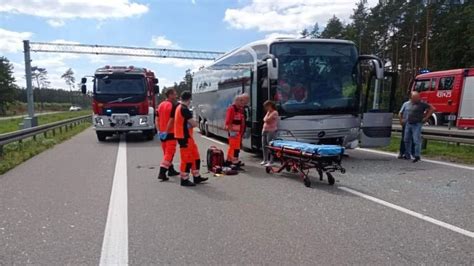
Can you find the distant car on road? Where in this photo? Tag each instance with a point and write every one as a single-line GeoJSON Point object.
{"type": "Point", "coordinates": [74, 108]}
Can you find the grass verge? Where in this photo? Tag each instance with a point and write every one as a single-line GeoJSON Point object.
{"type": "Point", "coordinates": [16, 153]}
{"type": "Point", "coordinates": [440, 150]}
{"type": "Point", "coordinates": [11, 125]}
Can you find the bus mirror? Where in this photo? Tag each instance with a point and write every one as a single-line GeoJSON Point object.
{"type": "Point", "coordinates": [378, 67]}
{"type": "Point", "coordinates": [155, 81]}
{"type": "Point", "coordinates": [83, 80]}
{"type": "Point", "coordinates": [83, 88]}
{"type": "Point", "coordinates": [376, 63]}
{"type": "Point", "coordinates": [157, 89]}
{"type": "Point", "coordinates": [272, 67]}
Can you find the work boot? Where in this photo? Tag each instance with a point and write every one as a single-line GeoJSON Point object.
{"type": "Point", "coordinates": [172, 172]}
{"type": "Point", "coordinates": [199, 179]}
{"type": "Point", "coordinates": [417, 159]}
{"type": "Point", "coordinates": [162, 175]}
{"type": "Point", "coordinates": [187, 183]}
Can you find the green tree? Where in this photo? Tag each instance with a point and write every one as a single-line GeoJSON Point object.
{"type": "Point", "coordinates": [7, 84]}
{"type": "Point", "coordinates": [41, 77]}
{"type": "Point", "coordinates": [304, 33]}
{"type": "Point", "coordinates": [334, 29]}
{"type": "Point", "coordinates": [315, 32]}
{"type": "Point", "coordinates": [70, 80]}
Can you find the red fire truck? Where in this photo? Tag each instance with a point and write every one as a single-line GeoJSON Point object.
{"type": "Point", "coordinates": [123, 101]}
{"type": "Point", "coordinates": [451, 92]}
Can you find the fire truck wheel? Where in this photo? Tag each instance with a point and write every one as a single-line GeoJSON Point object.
{"type": "Point", "coordinates": [149, 134]}
{"type": "Point", "coordinates": [101, 136]}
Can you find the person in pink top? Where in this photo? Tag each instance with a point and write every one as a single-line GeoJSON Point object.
{"type": "Point", "coordinates": [270, 124]}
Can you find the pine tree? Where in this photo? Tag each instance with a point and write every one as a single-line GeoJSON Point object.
{"type": "Point", "coordinates": [334, 29]}
{"type": "Point", "coordinates": [7, 84]}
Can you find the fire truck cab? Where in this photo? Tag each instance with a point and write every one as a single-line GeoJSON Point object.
{"type": "Point", "coordinates": [451, 92]}
{"type": "Point", "coordinates": [124, 100]}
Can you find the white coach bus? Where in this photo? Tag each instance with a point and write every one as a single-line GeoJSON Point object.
{"type": "Point", "coordinates": [316, 84]}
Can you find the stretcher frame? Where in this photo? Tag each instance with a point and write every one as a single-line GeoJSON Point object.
{"type": "Point", "coordinates": [297, 161]}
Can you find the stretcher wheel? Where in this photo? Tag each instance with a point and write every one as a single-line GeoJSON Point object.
{"type": "Point", "coordinates": [307, 182]}
{"type": "Point", "coordinates": [320, 173]}
{"type": "Point", "coordinates": [331, 179]}
{"type": "Point", "coordinates": [268, 169]}
{"type": "Point", "coordinates": [288, 168]}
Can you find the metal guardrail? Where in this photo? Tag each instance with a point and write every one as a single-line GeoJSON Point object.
{"type": "Point", "coordinates": [19, 135]}
{"type": "Point", "coordinates": [443, 134]}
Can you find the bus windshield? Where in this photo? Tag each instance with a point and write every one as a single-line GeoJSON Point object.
{"type": "Point", "coordinates": [119, 84]}
{"type": "Point", "coordinates": [315, 78]}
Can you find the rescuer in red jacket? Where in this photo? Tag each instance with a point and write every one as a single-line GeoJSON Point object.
{"type": "Point", "coordinates": [165, 123]}
{"type": "Point", "coordinates": [183, 130]}
{"type": "Point", "coordinates": [235, 125]}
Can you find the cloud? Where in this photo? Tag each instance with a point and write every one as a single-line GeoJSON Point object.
{"type": "Point", "coordinates": [57, 11]}
{"type": "Point", "coordinates": [193, 1]}
{"type": "Point", "coordinates": [56, 23]}
{"type": "Point", "coordinates": [288, 16]}
{"type": "Point", "coordinates": [12, 41]}
{"type": "Point", "coordinates": [163, 42]}
{"type": "Point", "coordinates": [275, 35]}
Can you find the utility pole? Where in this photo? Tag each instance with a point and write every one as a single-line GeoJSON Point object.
{"type": "Point", "coordinates": [31, 120]}
{"type": "Point", "coordinates": [427, 34]}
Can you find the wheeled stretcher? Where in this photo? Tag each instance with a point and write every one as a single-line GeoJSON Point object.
{"type": "Point", "coordinates": [299, 157]}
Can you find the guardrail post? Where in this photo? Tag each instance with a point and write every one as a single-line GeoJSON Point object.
{"type": "Point", "coordinates": [1, 151]}
{"type": "Point", "coordinates": [45, 134]}
{"type": "Point", "coordinates": [54, 132]}
{"type": "Point", "coordinates": [424, 144]}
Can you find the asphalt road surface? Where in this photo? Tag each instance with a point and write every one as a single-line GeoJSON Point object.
{"type": "Point", "coordinates": [85, 202]}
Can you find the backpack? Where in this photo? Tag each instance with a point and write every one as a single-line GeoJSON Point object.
{"type": "Point", "coordinates": [215, 159]}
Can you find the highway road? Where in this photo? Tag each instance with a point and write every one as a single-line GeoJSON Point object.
{"type": "Point", "coordinates": [85, 202]}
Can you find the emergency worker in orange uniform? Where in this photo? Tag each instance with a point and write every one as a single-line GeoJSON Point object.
{"type": "Point", "coordinates": [165, 121]}
{"type": "Point", "coordinates": [183, 132]}
{"type": "Point", "coordinates": [235, 125]}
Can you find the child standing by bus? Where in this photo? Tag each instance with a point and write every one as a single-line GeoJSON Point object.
{"type": "Point", "coordinates": [270, 124]}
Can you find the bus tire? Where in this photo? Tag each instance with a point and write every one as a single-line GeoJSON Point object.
{"type": "Point", "coordinates": [206, 130]}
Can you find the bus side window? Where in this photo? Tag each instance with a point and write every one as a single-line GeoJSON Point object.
{"type": "Point", "coordinates": [446, 83]}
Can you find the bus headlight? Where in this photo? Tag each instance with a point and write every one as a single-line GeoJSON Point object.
{"type": "Point", "coordinates": [354, 130]}
{"type": "Point", "coordinates": [143, 121]}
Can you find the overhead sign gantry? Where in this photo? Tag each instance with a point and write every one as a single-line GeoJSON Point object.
{"type": "Point", "coordinates": [93, 49]}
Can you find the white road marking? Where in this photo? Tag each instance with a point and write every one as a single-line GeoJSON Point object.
{"type": "Point", "coordinates": [410, 212]}
{"type": "Point", "coordinates": [115, 243]}
{"type": "Point", "coordinates": [425, 160]}
{"type": "Point", "coordinates": [216, 141]}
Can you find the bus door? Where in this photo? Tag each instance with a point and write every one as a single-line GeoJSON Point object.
{"type": "Point", "coordinates": [377, 108]}
{"type": "Point", "coordinates": [249, 111]}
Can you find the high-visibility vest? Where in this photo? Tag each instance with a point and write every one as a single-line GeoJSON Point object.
{"type": "Point", "coordinates": [237, 120]}
{"type": "Point", "coordinates": [164, 110]}
{"type": "Point", "coordinates": [181, 124]}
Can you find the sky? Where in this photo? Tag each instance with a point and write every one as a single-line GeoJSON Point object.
{"type": "Point", "coordinates": [210, 25]}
